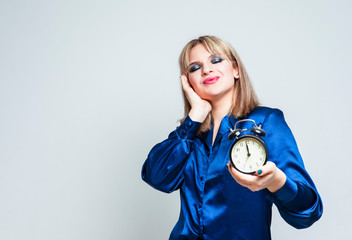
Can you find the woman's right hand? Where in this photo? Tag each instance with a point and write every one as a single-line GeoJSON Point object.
{"type": "Point", "coordinates": [200, 108]}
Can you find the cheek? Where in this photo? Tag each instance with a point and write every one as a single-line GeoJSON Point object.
{"type": "Point", "coordinates": [228, 70]}
{"type": "Point", "coordinates": [197, 87]}
{"type": "Point", "coordinates": [193, 81]}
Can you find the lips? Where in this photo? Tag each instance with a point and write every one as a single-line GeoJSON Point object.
{"type": "Point", "coordinates": [211, 80]}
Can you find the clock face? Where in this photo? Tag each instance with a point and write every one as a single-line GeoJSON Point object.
{"type": "Point", "coordinates": [248, 154]}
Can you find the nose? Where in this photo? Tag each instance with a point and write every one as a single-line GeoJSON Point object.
{"type": "Point", "coordinates": [207, 69]}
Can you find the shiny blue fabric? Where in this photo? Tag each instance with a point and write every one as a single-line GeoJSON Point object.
{"type": "Point", "coordinates": [213, 204]}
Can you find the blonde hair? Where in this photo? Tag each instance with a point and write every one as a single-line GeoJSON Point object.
{"type": "Point", "coordinates": [244, 98]}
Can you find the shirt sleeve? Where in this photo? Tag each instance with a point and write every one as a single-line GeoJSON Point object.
{"type": "Point", "coordinates": [163, 168]}
{"type": "Point", "coordinates": [298, 200]}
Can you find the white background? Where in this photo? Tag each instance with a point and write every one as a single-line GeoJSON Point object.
{"type": "Point", "coordinates": [87, 88]}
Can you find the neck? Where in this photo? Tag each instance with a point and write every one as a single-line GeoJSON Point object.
{"type": "Point", "coordinates": [220, 108]}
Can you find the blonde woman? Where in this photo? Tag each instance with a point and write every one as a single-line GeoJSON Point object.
{"type": "Point", "coordinates": [217, 201]}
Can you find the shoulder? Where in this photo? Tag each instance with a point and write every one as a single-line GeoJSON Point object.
{"type": "Point", "coordinates": [270, 117]}
{"type": "Point", "coordinates": [263, 115]}
{"type": "Point", "coordinates": [264, 112]}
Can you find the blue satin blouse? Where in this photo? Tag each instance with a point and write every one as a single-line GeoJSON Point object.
{"type": "Point", "coordinates": [213, 205]}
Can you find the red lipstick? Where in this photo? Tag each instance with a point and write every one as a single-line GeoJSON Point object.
{"type": "Point", "coordinates": [211, 80]}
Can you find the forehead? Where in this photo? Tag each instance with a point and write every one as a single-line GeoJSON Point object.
{"type": "Point", "coordinates": [200, 52]}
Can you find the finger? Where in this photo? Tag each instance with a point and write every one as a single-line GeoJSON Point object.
{"type": "Point", "coordinates": [183, 78]}
{"type": "Point", "coordinates": [268, 168]}
{"type": "Point", "coordinates": [185, 82]}
{"type": "Point", "coordinates": [239, 174]}
{"type": "Point", "coordinates": [186, 86]}
{"type": "Point", "coordinates": [245, 180]}
{"type": "Point", "coordinates": [191, 95]}
{"type": "Point", "coordinates": [252, 182]}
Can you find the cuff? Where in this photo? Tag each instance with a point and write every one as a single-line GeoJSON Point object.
{"type": "Point", "coordinates": [287, 192]}
{"type": "Point", "coordinates": [188, 129]}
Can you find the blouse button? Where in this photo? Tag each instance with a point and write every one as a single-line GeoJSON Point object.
{"type": "Point", "coordinates": [202, 178]}
{"type": "Point", "coordinates": [183, 132]}
{"type": "Point", "coordinates": [189, 124]}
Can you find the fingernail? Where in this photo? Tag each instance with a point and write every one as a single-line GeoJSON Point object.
{"type": "Point", "coordinates": [259, 172]}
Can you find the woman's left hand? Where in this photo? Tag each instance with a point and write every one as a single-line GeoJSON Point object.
{"type": "Point", "coordinates": [269, 176]}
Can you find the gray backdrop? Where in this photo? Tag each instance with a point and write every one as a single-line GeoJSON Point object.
{"type": "Point", "coordinates": [88, 87]}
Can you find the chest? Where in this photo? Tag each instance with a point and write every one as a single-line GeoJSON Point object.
{"type": "Point", "coordinates": [208, 162]}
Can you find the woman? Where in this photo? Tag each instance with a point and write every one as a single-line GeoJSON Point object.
{"type": "Point", "coordinates": [217, 201]}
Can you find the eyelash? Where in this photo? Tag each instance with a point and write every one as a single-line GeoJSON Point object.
{"type": "Point", "coordinates": [214, 60]}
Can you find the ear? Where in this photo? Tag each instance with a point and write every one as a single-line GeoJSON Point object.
{"type": "Point", "coordinates": [236, 73]}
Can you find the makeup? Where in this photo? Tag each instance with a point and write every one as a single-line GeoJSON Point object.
{"type": "Point", "coordinates": [211, 80]}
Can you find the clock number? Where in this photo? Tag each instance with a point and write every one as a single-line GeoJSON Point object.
{"type": "Point", "coordinates": [244, 161]}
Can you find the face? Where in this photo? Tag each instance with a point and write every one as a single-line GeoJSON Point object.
{"type": "Point", "coordinates": [211, 76]}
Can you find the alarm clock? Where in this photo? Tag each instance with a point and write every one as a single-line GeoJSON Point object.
{"type": "Point", "coordinates": [248, 152]}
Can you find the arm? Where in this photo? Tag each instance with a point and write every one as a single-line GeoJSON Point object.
{"type": "Point", "coordinates": [298, 200]}
{"type": "Point", "coordinates": [284, 177]}
{"type": "Point", "coordinates": [163, 168]}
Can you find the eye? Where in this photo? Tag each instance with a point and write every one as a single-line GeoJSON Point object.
{"type": "Point", "coordinates": [194, 68]}
{"type": "Point", "coordinates": [215, 60]}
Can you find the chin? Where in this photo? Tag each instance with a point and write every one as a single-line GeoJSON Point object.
{"type": "Point", "coordinates": [211, 97]}
{"type": "Point", "coordinates": [216, 95]}
{"type": "Point", "coordinates": [213, 94]}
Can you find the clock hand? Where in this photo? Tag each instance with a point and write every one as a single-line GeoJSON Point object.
{"type": "Point", "coordinates": [248, 154]}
